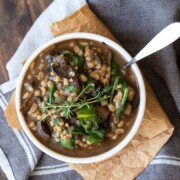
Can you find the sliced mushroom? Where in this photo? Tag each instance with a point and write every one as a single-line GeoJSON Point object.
{"type": "Point", "coordinates": [102, 111]}
{"type": "Point", "coordinates": [112, 126]}
{"type": "Point", "coordinates": [106, 122]}
{"type": "Point", "coordinates": [135, 102]}
{"type": "Point", "coordinates": [43, 129]}
{"type": "Point", "coordinates": [60, 66]}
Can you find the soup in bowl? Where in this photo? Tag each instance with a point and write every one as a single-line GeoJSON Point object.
{"type": "Point", "coordinates": [74, 100]}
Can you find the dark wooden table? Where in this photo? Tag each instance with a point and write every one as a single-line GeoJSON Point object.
{"type": "Point", "coordinates": [16, 17]}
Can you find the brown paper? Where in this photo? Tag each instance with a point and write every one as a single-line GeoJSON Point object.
{"type": "Point", "coordinates": [155, 129]}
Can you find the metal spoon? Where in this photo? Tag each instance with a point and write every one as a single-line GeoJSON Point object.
{"type": "Point", "coordinates": [167, 36]}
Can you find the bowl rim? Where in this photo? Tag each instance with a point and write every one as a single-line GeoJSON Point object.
{"type": "Point", "coordinates": [121, 144]}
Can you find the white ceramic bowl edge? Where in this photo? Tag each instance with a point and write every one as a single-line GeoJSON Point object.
{"type": "Point", "coordinates": [133, 130]}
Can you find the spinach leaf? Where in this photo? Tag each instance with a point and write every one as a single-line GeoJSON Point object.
{"type": "Point", "coordinates": [120, 111]}
{"type": "Point", "coordinates": [90, 81]}
{"type": "Point", "coordinates": [77, 60]}
{"type": "Point", "coordinates": [87, 117]}
{"type": "Point", "coordinates": [50, 94]}
{"type": "Point", "coordinates": [93, 138]}
{"type": "Point", "coordinates": [68, 143]}
{"type": "Point", "coordinates": [86, 124]}
{"type": "Point", "coordinates": [99, 132]}
{"type": "Point", "coordinates": [72, 89]}
{"type": "Point", "coordinates": [114, 68]}
{"type": "Point", "coordinates": [65, 52]}
{"type": "Point", "coordinates": [78, 130]}
{"type": "Point", "coordinates": [96, 136]}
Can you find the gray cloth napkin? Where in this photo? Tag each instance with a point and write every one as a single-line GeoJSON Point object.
{"type": "Point", "coordinates": [133, 23]}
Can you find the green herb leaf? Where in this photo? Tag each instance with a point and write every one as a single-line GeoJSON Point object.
{"type": "Point", "coordinates": [65, 52]}
{"type": "Point", "coordinates": [50, 94]}
{"type": "Point", "coordinates": [96, 136]}
{"type": "Point", "coordinates": [77, 60]}
{"type": "Point", "coordinates": [120, 111]}
{"type": "Point", "coordinates": [106, 89]}
{"type": "Point", "coordinates": [72, 89]}
{"type": "Point", "coordinates": [87, 117]}
{"type": "Point", "coordinates": [90, 81]}
{"type": "Point", "coordinates": [101, 95]}
{"type": "Point", "coordinates": [68, 143]}
{"type": "Point", "coordinates": [114, 68]}
{"type": "Point", "coordinates": [86, 125]}
{"type": "Point", "coordinates": [78, 130]}
{"type": "Point", "coordinates": [93, 138]}
{"type": "Point", "coordinates": [56, 121]}
{"type": "Point", "coordinates": [124, 86]}
{"type": "Point", "coordinates": [66, 109]}
{"type": "Point", "coordinates": [117, 81]}
{"type": "Point", "coordinates": [99, 132]}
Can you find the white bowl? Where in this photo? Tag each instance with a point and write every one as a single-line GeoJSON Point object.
{"type": "Point", "coordinates": [121, 144]}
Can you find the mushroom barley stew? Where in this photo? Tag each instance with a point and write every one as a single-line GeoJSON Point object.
{"type": "Point", "coordinates": [76, 100]}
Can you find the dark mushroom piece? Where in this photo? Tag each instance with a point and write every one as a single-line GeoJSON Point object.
{"type": "Point", "coordinates": [75, 83]}
{"type": "Point", "coordinates": [98, 88]}
{"type": "Point", "coordinates": [49, 59]}
{"type": "Point", "coordinates": [135, 102]}
{"type": "Point", "coordinates": [96, 57]}
{"type": "Point", "coordinates": [43, 129]}
{"type": "Point", "coordinates": [106, 122]}
{"type": "Point", "coordinates": [104, 113]}
{"type": "Point", "coordinates": [75, 121]}
{"type": "Point", "coordinates": [60, 66]}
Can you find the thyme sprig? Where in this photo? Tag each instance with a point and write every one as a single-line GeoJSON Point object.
{"type": "Point", "coordinates": [81, 101]}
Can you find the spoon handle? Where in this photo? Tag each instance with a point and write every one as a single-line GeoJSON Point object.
{"type": "Point", "coordinates": [168, 35]}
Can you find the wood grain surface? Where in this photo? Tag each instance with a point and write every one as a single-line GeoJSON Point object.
{"type": "Point", "coordinates": [16, 17]}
